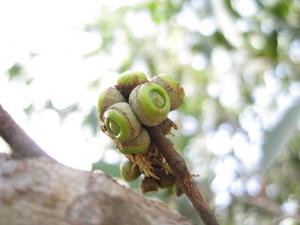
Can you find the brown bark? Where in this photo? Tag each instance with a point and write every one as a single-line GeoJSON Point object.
{"type": "Point", "coordinates": [183, 178]}
{"type": "Point", "coordinates": [39, 191]}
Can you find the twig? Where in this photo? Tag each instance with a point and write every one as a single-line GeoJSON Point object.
{"type": "Point", "coordinates": [268, 205]}
{"type": "Point", "coordinates": [262, 203]}
{"type": "Point", "coordinates": [22, 145]}
{"type": "Point", "coordinates": [278, 220]}
{"type": "Point", "coordinates": [183, 178]}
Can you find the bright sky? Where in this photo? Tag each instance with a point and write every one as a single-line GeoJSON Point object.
{"type": "Point", "coordinates": [54, 31]}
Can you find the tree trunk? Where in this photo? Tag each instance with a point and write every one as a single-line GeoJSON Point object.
{"type": "Point", "coordinates": [39, 191]}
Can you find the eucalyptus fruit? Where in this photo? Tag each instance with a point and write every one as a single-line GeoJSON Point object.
{"type": "Point", "coordinates": [121, 123]}
{"type": "Point", "coordinates": [129, 80]}
{"type": "Point", "coordinates": [129, 171]}
{"type": "Point", "coordinates": [126, 110]}
{"type": "Point", "coordinates": [107, 98]}
{"type": "Point", "coordinates": [150, 103]}
{"type": "Point", "coordinates": [140, 144]}
{"type": "Point", "coordinates": [173, 88]}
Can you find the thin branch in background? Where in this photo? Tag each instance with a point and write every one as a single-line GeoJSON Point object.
{"type": "Point", "coordinates": [261, 202]}
{"type": "Point", "coordinates": [279, 220]}
{"type": "Point", "coordinates": [183, 178]}
{"type": "Point", "coordinates": [268, 205]}
{"type": "Point", "coordinates": [21, 144]}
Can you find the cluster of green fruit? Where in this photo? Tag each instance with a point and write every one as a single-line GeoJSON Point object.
{"type": "Point", "coordinates": [133, 104]}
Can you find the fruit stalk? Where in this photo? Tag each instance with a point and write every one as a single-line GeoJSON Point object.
{"type": "Point", "coordinates": [183, 178]}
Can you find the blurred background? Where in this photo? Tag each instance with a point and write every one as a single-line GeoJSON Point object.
{"type": "Point", "coordinates": [238, 61]}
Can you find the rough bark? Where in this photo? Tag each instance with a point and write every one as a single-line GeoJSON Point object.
{"type": "Point", "coordinates": [39, 191]}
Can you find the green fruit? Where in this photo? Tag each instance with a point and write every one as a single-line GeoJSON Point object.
{"type": "Point", "coordinates": [128, 171]}
{"type": "Point", "coordinates": [140, 144]}
{"type": "Point", "coordinates": [150, 103]}
{"type": "Point", "coordinates": [173, 88]}
{"type": "Point", "coordinates": [121, 123]}
{"type": "Point", "coordinates": [129, 80]}
{"type": "Point", "coordinates": [107, 98]}
{"type": "Point", "coordinates": [132, 77]}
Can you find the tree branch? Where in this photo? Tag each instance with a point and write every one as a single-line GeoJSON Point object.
{"type": "Point", "coordinates": [43, 192]}
{"type": "Point", "coordinates": [260, 202]}
{"type": "Point", "coordinates": [267, 205]}
{"type": "Point", "coordinates": [183, 178]}
{"type": "Point", "coordinates": [278, 220]}
{"type": "Point", "coordinates": [22, 145]}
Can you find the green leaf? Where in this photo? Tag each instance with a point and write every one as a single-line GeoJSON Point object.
{"type": "Point", "coordinates": [229, 6]}
{"type": "Point", "coordinates": [277, 139]}
{"type": "Point", "coordinates": [110, 169]}
{"type": "Point", "coordinates": [281, 9]}
{"type": "Point", "coordinates": [15, 71]}
{"type": "Point", "coordinates": [272, 46]}
{"type": "Point", "coordinates": [126, 65]}
{"type": "Point", "coordinates": [221, 40]}
{"type": "Point", "coordinates": [29, 109]}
